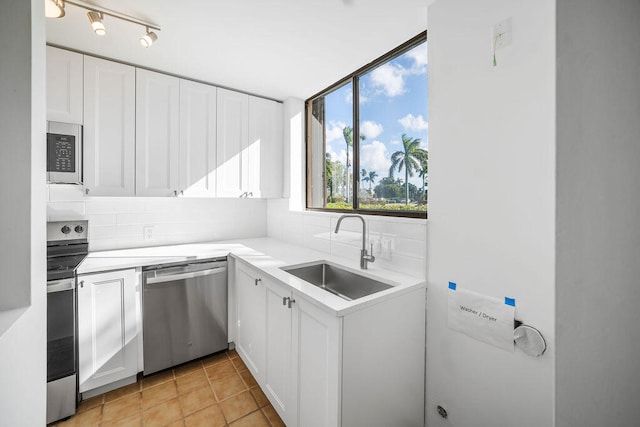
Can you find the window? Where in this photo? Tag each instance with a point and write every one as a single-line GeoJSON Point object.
{"type": "Point", "coordinates": [367, 147]}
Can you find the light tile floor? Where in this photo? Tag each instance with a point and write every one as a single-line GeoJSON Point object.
{"type": "Point", "coordinates": [214, 391]}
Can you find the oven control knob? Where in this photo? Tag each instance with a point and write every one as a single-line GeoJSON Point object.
{"type": "Point", "coordinates": [65, 229]}
{"type": "Point", "coordinates": [79, 229]}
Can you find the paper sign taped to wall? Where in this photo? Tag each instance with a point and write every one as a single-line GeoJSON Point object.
{"type": "Point", "coordinates": [484, 318]}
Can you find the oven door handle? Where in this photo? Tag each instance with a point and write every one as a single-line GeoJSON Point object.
{"type": "Point", "coordinates": [61, 285]}
{"type": "Point", "coordinates": [183, 276]}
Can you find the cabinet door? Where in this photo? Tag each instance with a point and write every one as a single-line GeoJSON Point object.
{"type": "Point", "coordinates": [197, 139]}
{"type": "Point", "coordinates": [316, 350]}
{"type": "Point", "coordinates": [157, 134]}
{"type": "Point", "coordinates": [232, 132]}
{"type": "Point", "coordinates": [279, 371]}
{"type": "Point", "coordinates": [64, 86]}
{"type": "Point", "coordinates": [251, 312]}
{"type": "Point", "coordinates": [265, 150]}
{"type": "Point", "coordinates": [109, 128]}
{"type": "Point", "coordinates": [107, 328]}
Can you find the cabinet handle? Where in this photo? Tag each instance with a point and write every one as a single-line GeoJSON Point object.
{"type": "Point", "coordinates": [82, 283]}
{"type": "Point", "coordinates": [175, 192]}
{"type": "Point", "coordinates": [182, 192]}
{"type": "Point", "coordinates": [86, 191]}
{"type": "Point", "coordinates": [291, 301]}
{"type": "Point", "coordinates": [284, 300]}
{"type": "Point", "coordinates": [257, 280]}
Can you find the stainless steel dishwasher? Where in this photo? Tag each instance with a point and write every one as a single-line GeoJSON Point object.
{"type": "Point", "coordinates": [184, 312]}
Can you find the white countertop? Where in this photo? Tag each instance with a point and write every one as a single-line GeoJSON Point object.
{"type": "Point", "coordinates": [265, 254]}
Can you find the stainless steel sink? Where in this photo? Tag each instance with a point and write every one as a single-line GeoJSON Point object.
{"type": "Point", "coordinates": [338, 281]}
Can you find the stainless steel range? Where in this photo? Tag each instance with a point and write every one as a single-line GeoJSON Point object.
{"type": "Point", "coordinates": [67, 246]}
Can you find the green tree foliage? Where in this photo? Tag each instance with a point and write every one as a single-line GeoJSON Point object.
{"type": "Point", "coordinates": [409, 159]}
{"type": "Point", "coordinates": [370, 178]}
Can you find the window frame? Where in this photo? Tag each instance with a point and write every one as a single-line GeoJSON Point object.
{"type": "Point", "coordinates": [354, 79]}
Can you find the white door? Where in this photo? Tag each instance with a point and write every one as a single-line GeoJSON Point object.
{"type": "Point", "coordinates": [109, 128]}
{"type": "Point", "coordinates": [279, 371]}
{"type": "Point", "coordinates": [197, 139]}
{"type": "Point", "coordinates": [265, 148]}
{"type": "Point", "coordinates": [107, 328]}
{"type": "Point", "coordinates": [232, 132]}
{"type": "Point", "coordinates": [316, 349]}
{"type": "Point", "coordinates": [157, 134]}
{"type": "Point", "coordinates": [64, 86]}
{"type": "Point", "coordinates": [251, 332]}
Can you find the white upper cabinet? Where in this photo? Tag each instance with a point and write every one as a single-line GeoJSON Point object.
{"type": "Point", "coordinates": [64, 86]}
{"type": "Point", "coordinates": [157, 134]}
{"type": "Point", "coordinates": [233, 133]}
{"type": "Point", "coordinates": [249, 146]}
{"type": "Point", "coordinates": [265, 150]}
{"type": "Point", "coordinates": [109, 128]}
{"type": "Point", "coordinates": [197, 139]}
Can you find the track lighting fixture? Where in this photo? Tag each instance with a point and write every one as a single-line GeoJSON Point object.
{"type": "Point", "coordinates": [53, 8]}
{"type": "Point", "coordinates": [148, 38]}
{"type": "Point", "coordinates": [96, 14]}
{"type": "Point", "coordinates": [96, 22]}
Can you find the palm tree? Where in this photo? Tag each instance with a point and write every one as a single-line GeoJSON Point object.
{"type": "Point", "coordinates": [363, 174]}
{"type": "Point", "coordinates": [328, 174]}
{"type": "Point", "coordinates": [423, 173]}
{"type": "Point", "coordinates": [409, 158]}
{"type": "Point", "coordinates": [370, 179]}
{"type": "Point", "coordinates": [347, 133]}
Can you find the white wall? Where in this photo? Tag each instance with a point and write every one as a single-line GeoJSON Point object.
{"type": "Point", "coordinates": [491, 205]}
{"type": "Point", "coordinates": [399, 243]}
{"type": "Point", "coordinates": [598, 215]}
{"type": "Point", "coordinates": [22, 120]}
{"type": "Point", "coordinates": [118, 222]}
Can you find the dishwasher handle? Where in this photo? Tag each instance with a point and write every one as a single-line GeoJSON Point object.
{"type": "Point", "coordinates": [183, 276]}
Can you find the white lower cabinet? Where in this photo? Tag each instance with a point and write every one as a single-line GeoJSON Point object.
{"type": "Point", "coordinates": [251, 332]}
{"type": "Point", "coordinates": [320, 369]}
{"type": "Point", "coordinates": [108, 327]}
{"type": "Point", "coordinates": [278, 373]}
{"type": "Point", "coordinates": [316, 364]}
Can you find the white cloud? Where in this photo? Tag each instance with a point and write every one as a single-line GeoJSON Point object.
{"type": "Point", "coordinates": [389, 78]}
{"type": "Point", "coordinates": [341, 156]}
{"type": "Point", "coordinates": [411, 122]}
{"type": "Point", "coordinates": [419, 56]}
{"type": "Point", "coordinates": [370, 130]}
{"type": "Point", "coordinates": [395, 142]}
{"type": "Point", "coordinates": [334, 131]}
{"type": "Point", "coordinates": [375, 157]}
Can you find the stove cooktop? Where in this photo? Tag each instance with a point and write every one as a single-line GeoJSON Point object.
{"type": "Point", "coordinates": [67, 246]}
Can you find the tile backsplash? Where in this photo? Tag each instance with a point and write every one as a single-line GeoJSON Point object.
{"type": "Point", "coordinates": [126, 222]}
{"type": "Point", "coordinates": [399, 244]}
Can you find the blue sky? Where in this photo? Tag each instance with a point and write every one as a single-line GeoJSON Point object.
{"type": "Point", "coordinates": [393, 101]}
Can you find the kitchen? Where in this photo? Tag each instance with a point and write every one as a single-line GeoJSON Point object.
{"type": "Point", "coordinates": [491, 240]}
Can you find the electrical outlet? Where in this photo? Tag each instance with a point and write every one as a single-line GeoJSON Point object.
{"type": "Point", "coordinates": [501, 34]}
{"type": "Point", "coordinates": [147, 232]}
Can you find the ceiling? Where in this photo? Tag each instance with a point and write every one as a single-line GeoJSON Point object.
{"type": "Point", "coordinates": [275, 48]}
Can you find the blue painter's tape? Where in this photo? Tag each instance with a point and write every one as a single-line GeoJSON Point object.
{"type": "Point", "coordinates": [510, 301]}
{"type": "Point", "coordinates": [452, 286]}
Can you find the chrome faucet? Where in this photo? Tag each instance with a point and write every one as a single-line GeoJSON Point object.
{"type": "Point", "coordinates": [364, 256]}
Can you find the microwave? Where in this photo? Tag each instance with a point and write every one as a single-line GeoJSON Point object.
{"type": "Point", "coordinates": [64, 153]}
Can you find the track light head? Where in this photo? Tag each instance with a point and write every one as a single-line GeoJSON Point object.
{"type": "Point", "coordinates": [54, 8]}
{"type": "Point", "coordinates": [147, 39]}
{"type": "Point", "coordinates": [96, 22]}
